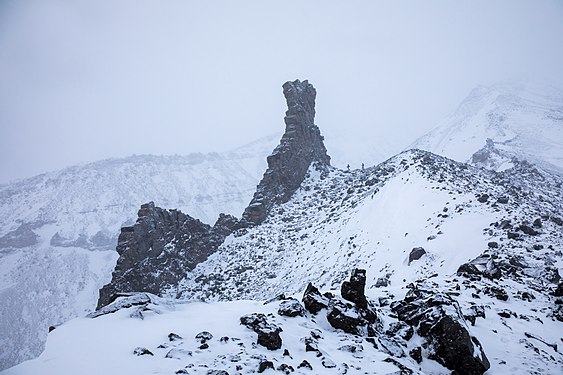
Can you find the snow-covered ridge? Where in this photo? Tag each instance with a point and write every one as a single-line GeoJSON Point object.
{"type": "Point", "coordinates": [372, 219]}
{"type": "Point", "coordinates": [525, 121]}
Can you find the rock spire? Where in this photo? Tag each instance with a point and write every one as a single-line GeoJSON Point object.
{"type": "Point", "coordinates": [301, 145]}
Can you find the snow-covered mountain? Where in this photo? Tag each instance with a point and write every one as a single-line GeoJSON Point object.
{"type": "Point", "coordinates": [525, 121]}
{"type": "Point", "coordinates": [58, 230]}
{"type": "Point", "coordinates": [453, 268]}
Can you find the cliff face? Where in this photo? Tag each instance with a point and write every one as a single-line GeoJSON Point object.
{"type": "Point", "coordinates": [160, 248]}
{"type": "Point", "coordinates": [163, 245]}
{"type": "Point", "coordinates": [301, 145]}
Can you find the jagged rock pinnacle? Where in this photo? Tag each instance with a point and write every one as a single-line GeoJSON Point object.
{"type": "Point", "coordinates": [301, 145]}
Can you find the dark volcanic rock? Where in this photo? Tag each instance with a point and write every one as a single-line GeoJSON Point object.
{"type": "Point", "coordinates": [300, 146]}
{"type": "Point", "coordinates": [313, 300]}
{"type": "Point", "coordinates": [264, 365]}
{"type": "Point", "coordinates": [481, 266]}
{"type": "Point", "coordinates": [416, 254]}
{"type": "Point", "coordinates": [354, 290]}
{"type": "Point", "coordinates": [142, 351]}
{"type": "Point", "coordinates": [268, 333]}
{"type": "Point", "coordinates": [291, 308]}
{"type": "Point", "coordinates": [165, 240]}
{"type": "Point", "coordinates": [437, 317]}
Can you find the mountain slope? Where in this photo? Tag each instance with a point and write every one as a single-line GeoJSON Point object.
{"type": "Point", "coordinates": [492, 250]}
{"type": "Point", "coordinates": [58, 230]}
{"type": "Point", "coordinates": [522, 120]}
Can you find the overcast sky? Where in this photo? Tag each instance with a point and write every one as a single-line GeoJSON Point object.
{"type": "Point", "coordinates": [85, 80]}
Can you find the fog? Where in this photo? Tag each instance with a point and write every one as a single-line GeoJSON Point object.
{"type": "Point", "coordinates": [85, 80]}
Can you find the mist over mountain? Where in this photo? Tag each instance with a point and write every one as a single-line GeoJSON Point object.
{"type": "Point", "coordinates": [520, 120]}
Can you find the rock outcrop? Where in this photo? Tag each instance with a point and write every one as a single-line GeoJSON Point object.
{"type": "Point", "coordinates": [437, 317]}
{"type": "Point", "coordinates": [174, 243]}
{"type": "Point", "coordinates": [168, 241]}
{"type": "Point", "coordinates": [300, 146]}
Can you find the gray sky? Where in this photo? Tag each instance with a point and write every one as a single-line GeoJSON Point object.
{"type": "Point", "coordinates": [85, 80]}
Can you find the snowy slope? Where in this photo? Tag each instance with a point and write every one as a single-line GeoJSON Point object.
{"type": "Point", "coordinates": [523, 120]}
{"type": "Point", "coordinates": [58, 231]}
{"type": "Point", "coordinates": [369, 219]}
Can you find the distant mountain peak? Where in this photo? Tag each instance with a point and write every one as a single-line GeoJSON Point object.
{"type": "Point", "coordinates": [522, 120]}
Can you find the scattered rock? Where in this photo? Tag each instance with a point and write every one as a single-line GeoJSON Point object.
{"type": "Point", "coordinates": [528, 230]}
{"type": "Point", "coordinates": [268, 333]}
{"type": "Point", "coordinates": [502, 200]}
{"type": "Point", "coordinates": [416, 254]}
{"type": "Point", "coordinates": [416, 354]}
{"type": "Point", "coordinates": [291, 308]}
{"type": "Point", "coordinates": [142, 351]}
{"type": "Point", "coordinates": [354, 290]}
{"type": "Point", "coordinates": [305, 364]}
{"type": "Point", "coordinates": [285, 368]}
{"type": "Point", "coordinates": [174, 337]}
{"type": "Point", "coordinates": [437, 317]}
{"type": "Point", "coordinates": [264, 365]}
{"type": "Point", "coordinates": [493, 245]}
{"type": "Point", "coordinates": [483, 198]}
{"type": "Point", "coordinates": [204, 336]}
{"type": "Point", "coordinates": [313, 300]}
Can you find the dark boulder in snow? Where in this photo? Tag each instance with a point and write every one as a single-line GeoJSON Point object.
{"type": "Point", "coordinates": [481, 266]}
{"type": "Point", "coordinates": [528, 230]}
{"type": "Point", "coordinates": [354, 290]}
{"type": "Point", "coordinates": [264, 365]}
{"type": "Point", "coordinates": [313, 300]}
{"type": "Point", "coordinates": [416, 254]}
{"type": "Point", "coordinates": [358, 318]}
{"type": "Point", "coordinates": [142, 351]}
{"type": "Point", "coordinates": [437, 318]}
{"type": "Point", "coordinates": [291, 308]}
{"type": "Point", "coordinates": [483, 198]}
{"type": "Point", "coordinates": [204, 336]}
{"type": "Point", "coordinates": [268, 333]}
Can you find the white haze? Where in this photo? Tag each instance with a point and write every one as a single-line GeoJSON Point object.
{"type": "Point", "coordinates": [84, 80]}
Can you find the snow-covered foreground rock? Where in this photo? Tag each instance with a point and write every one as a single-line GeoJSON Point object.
{"type": "Point", "coordinates": [412, 334]}
{"type": "Point", "coordinates": [58, 230]}
{"type": "Point", "coordinates": [520, 120]}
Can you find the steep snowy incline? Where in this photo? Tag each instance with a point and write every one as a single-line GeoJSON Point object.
{"type": "Point", "coordinates": [522, 120]}
{"type": "Point", "coordinates": [58, 231]}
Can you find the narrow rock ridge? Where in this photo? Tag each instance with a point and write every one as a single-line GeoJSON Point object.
{"type": "Point", "coordinates": [160, 248]}
{"type": "Point", "coordinates": [300, 146]}
{"type": "Point", "coordinates": [163, 245]}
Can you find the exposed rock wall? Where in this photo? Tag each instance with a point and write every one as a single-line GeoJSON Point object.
{"type": "Point", "coordinates": [160, 248]}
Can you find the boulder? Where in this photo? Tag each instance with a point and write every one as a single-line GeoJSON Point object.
{"type": "Point", "coordinates": [291, 308]}
{"type": "Point", "coordinates": [416, 254]}
{"type": "Point", "coordinates": [354, 290]}
{"type": "Point", "coordinates": [437, 318]}
{"type": "Point", "coordinates": [313, 300]}
{"type": "Point", "coordinates": [268, 333]}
